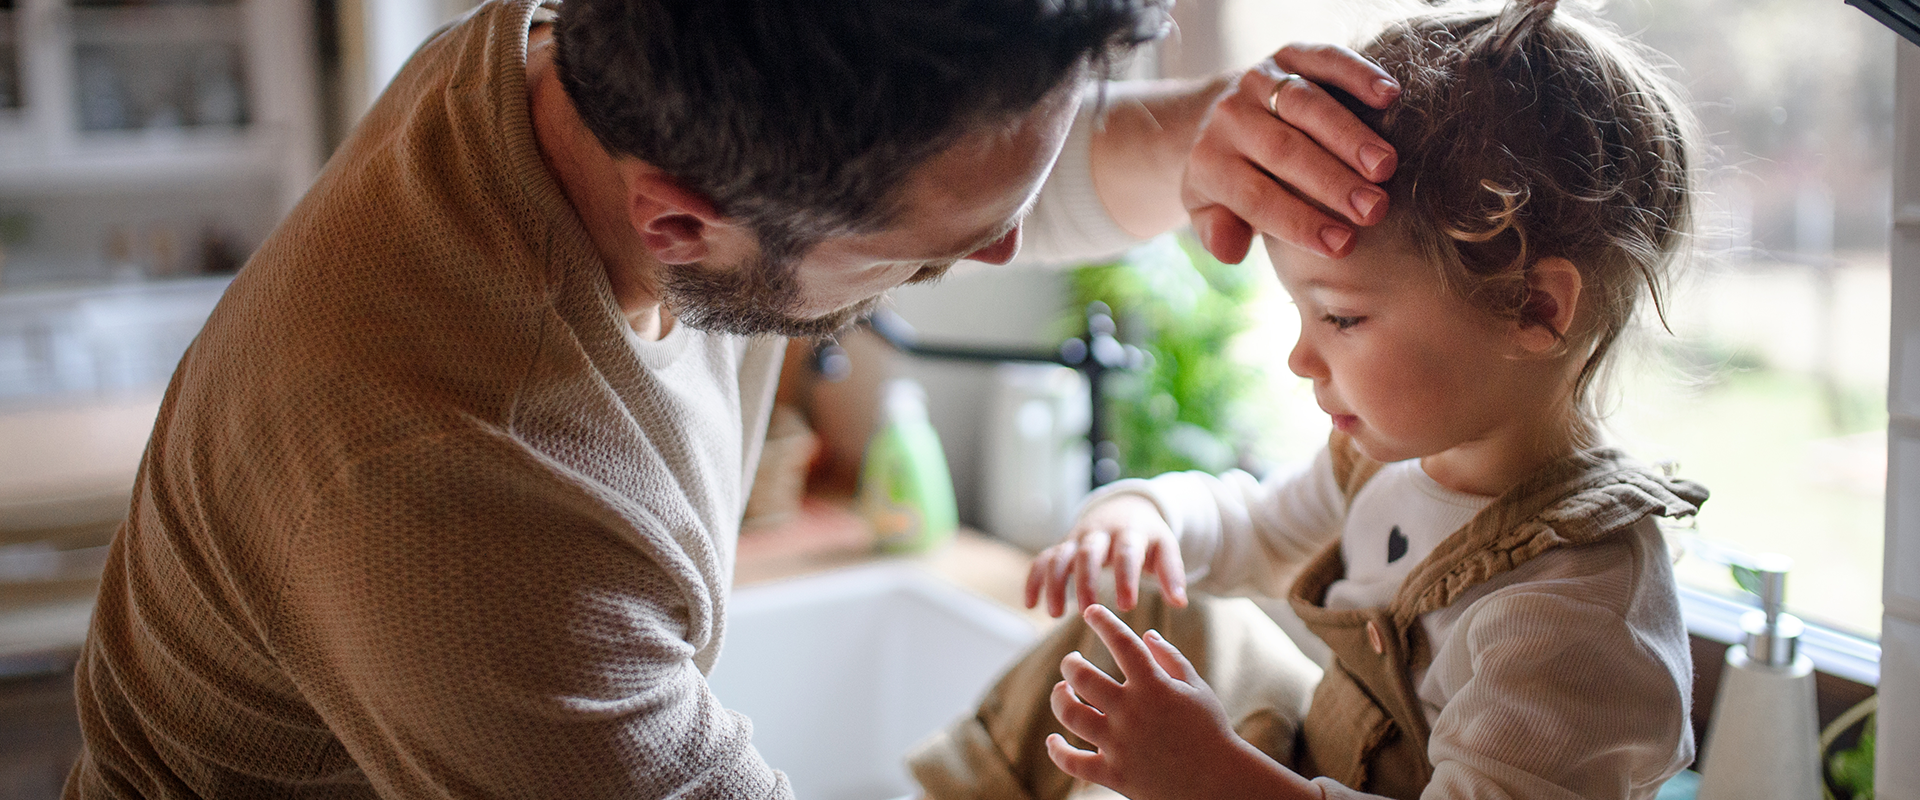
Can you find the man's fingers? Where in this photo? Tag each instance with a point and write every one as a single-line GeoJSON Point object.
{"type": "Point", "coordinates": [1323, 150]}
{"type": "Point", "coordinates": [1226, 236]}
{"type": "Point", "coordinates": [1280, 152]}
{"type": "Point", "coordinates": [1333, 65]}
{"type": "Point", "coordinates": [1132, 656]}
{"type": "Point", "coordinates": [1084, 720]}
{"type": "Point", "coordinates": [1083, 764]}
{"type": "Point", "coordinates": [1088, 682]}
{"type": "Point", "coordinates": [1255, 196]}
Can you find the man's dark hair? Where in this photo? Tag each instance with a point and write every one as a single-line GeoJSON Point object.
{"type": "Point", "coordinates": [803, 118]}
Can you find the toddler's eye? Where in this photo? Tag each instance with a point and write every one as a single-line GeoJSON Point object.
{"type": "Point", "coordinates": [1341, 322]}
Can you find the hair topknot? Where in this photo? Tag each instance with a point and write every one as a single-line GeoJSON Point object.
{"type": "Point", "coordinates": [1525, 132]}
{"type": "Point", "coordinates": [1520, 20]}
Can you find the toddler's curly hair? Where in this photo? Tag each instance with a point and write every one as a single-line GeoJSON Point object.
{"type": "Point", "coordinates": [1526, 133]}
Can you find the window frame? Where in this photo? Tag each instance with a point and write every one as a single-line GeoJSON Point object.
{"type": "Point", "coordinates": [1898, 724]}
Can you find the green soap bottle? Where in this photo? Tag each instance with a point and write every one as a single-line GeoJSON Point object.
{"type": "Point", "coordinates": [906, 494]}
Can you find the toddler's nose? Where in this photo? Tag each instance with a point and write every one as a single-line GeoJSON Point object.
{"type": "Point", "coordinates": [1305, 362]}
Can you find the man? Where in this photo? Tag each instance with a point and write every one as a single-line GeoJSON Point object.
{"type": "Point", "coordinates": [442, 501]}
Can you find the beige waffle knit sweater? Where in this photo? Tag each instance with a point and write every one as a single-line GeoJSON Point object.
{"type": "Point", "coordinates": [421, 517]}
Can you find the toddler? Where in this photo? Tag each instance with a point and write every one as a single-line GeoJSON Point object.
{"type": "Point", "coordinates": [1490, 579]}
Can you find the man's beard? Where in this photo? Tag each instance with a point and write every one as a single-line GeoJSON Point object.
{"type": "Point", "coordinates": [758, 297]}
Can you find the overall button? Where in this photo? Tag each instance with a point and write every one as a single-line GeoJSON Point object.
{"type": "Point", "coordinates": [1376, 639]}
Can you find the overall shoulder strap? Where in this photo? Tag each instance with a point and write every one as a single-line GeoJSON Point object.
{"type": "Point", "coordinates": [1351, 470]}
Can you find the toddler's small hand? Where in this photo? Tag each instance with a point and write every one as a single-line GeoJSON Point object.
{"type": "Point", "coordinates": [1162, 733]}
{"type": "Point", "coordinates": [1125, 532]}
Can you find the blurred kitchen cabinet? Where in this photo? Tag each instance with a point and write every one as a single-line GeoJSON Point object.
{"type": "Point", "coordinates": [150, 138]}
{"type": "Point", "coordinates": [377, 37]}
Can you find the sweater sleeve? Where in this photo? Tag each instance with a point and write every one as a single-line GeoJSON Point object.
{"type": "Point", "coordinates": [471, 625]}
{"type": "Point", "coordinates": [1242, 536]}
{"type": "Point", "coordinates": [1565, 699]}
{"type": "Point", "coordinates": [1069, 223]}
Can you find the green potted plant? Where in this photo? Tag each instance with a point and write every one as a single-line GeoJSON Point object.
{"type": "Point", "coordinates": [1184, 309]}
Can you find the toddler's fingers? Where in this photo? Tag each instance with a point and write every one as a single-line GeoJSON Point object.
{"type": "Point", "coordinates": [1128, 557]}
{"type": "Point", "coordinates": [1042, 568]}
{"type": "Point", "coordinates": [1086, 566]}
{"type": "Point", "coordinates": [1132, 656]}
{"type": "Point", "coordinates": [1083, 764]}
{"type": "Point", "coordinates": [1088, 682]}
{"type": "Point", "coordinates": [1084, 720]}
{"type": "Point", "coordinates": [1171, 659]}
{"type": "Point", "coordinates": [1163, 557]}
{"type": "Point", "coordinates": [1057, 574]}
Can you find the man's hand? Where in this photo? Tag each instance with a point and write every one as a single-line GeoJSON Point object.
{"type": "Point", "coordinates": [1279, 149]}
{"type": "Point", "coordinates": [1162, 733]}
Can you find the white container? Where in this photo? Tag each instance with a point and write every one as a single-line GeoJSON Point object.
{"type": "Point", "coordinates": [1037, 462]}
{"type": "Point", "coordinates": [1765, 739]}
{"type": "Point", "coordinates": [843, 673]}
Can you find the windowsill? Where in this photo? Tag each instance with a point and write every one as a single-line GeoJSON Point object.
{"type": "Point", "coordinates": [1842, 655]}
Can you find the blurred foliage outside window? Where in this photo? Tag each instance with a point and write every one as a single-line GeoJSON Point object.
{"type": "Point", "coordinates": [1190, 407]}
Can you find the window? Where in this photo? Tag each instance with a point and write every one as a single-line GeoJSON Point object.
{"type": "Point", "coordinates": [1772, 389]}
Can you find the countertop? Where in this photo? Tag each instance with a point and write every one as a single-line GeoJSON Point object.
{"type": "Point", "coordinates": [71, 466]}
{"type": "Point", "coordinates": [66, 476]}
{"type": "Point", "coordinates": [826, 535]}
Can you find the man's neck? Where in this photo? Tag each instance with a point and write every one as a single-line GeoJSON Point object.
{"type": "Point", "coordinates": [588, 175]}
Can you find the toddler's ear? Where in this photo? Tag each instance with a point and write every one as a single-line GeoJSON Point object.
{"type": "Point", "coordinates": [1553, 295]}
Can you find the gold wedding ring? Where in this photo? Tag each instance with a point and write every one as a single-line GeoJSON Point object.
{"type": "Point", "coordinates": [1273, 97]}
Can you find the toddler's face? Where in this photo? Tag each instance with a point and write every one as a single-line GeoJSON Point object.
{"type": "Point", "coordinates": [1405, 367]}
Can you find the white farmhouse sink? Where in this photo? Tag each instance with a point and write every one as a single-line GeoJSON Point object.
{"type": "Point", "coordinates": [843, 672]}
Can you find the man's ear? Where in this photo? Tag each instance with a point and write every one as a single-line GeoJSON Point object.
{"type": "Point", "coordinates": [676, 224]}
{"type": "Point", "coordinates": [1553, 297]}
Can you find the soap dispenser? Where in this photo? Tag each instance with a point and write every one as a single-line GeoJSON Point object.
{"type": "Point", "coordinates": [1764, 741]}
{"type": "Point", "coordinates": [906, 493]}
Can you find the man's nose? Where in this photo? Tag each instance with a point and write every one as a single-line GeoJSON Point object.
{"type": "Point", "coordinates": [1001, 251]}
